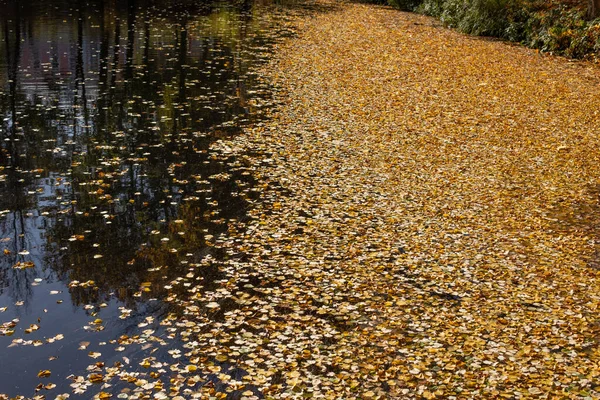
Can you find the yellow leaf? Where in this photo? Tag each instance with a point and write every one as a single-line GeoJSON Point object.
{"type": "Point", "coordinates": [44, 373]}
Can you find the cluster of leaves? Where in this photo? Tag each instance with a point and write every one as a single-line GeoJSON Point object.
{"type": "Point", "coordinates": [441, 217]}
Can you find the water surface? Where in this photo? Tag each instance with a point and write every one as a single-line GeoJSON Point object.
{"type": "Point", "coordinates": [110, 194]}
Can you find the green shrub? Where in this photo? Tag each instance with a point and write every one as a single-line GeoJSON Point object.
{"type": "Point", "coordinates": [434, 8]}
{"type": "Point", "coordinates": [478, 17]}
{"type": "Point", "coordinates": [488, 17]}
{"type": "Point", "coordinates": [563, 31]}
{"type": "Point", "coordinates": [406, 5]}
{"type": "Point", "coordinates": [548, 25]}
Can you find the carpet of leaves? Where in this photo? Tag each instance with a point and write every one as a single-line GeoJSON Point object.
{"type": "Point", "coordinates": [435, 228]}
{"type": "Point", "coordinates": [427, 228]}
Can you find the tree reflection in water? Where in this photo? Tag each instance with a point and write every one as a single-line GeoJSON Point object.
{"type": "Point", "coordinates": [109, 189]}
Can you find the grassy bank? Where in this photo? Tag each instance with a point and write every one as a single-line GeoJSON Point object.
{"type": "Point", "coordinates": [555, 26]}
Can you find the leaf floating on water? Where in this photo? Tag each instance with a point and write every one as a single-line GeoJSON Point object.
{"type": "Point", "coordinates": [192, 368]}
{"type": "Point", "coordinates": [83, 345]}
{"type": "Point", "coordinates": [60, 336]}
{"type": "Point", "coordinates": [96, 378]}
{"type": "Point", "coordinates": [221, 358]}
{"type": "Point", "coordinates": [32, 328]}
{"type": "Point", "coordinates": [44, 373]}
{"type": "Point", "coordinates": [24, 265]}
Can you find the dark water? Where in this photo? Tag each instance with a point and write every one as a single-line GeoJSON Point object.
{"type": "Point", "coordinates": [110, 193]}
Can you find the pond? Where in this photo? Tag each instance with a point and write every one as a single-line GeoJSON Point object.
{"type": "Point", "coordinates": [112, 202]}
